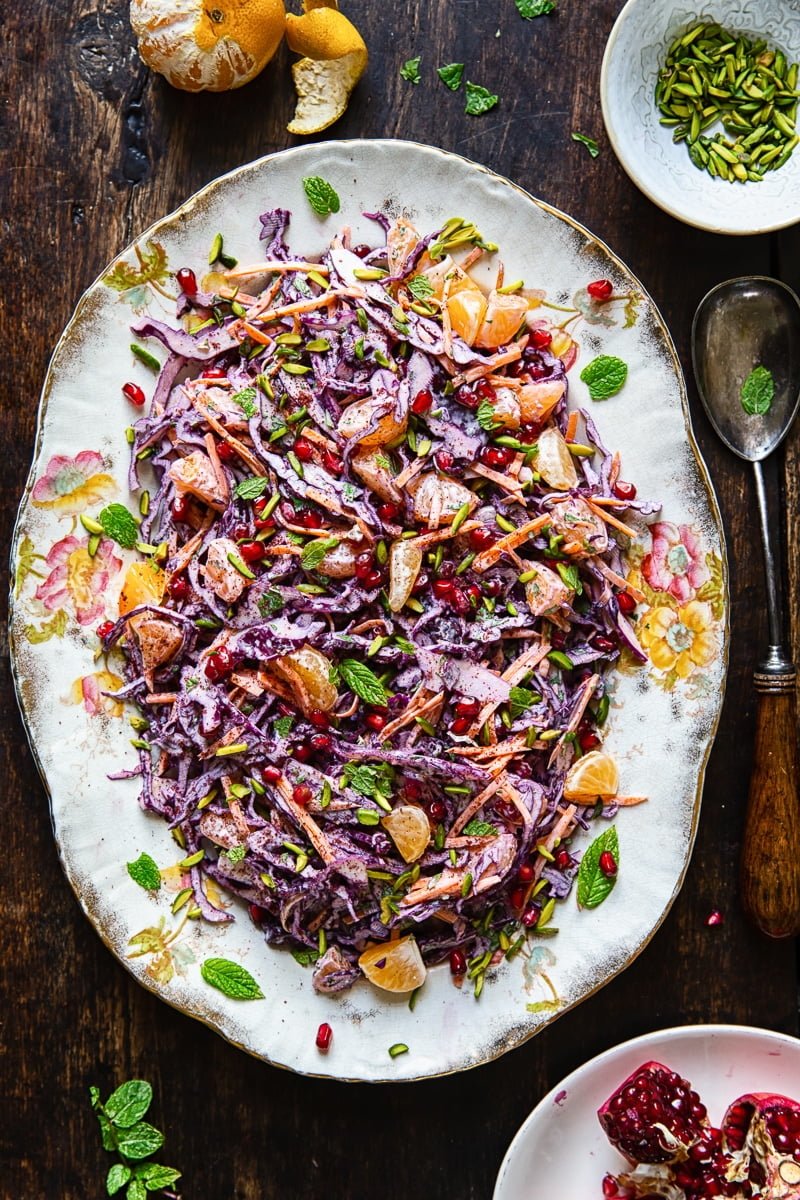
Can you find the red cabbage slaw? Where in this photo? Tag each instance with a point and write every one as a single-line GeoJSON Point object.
{"type": "Point", "coordinates": [381, 592]}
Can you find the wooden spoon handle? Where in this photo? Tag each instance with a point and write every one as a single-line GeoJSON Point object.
{"type": "Point", "coordinates": [770, 870]}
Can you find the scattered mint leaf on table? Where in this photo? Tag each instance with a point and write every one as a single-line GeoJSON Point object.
{"type": "Point", "coordinates": [758, 392]}
{"type": "Point", "coordinates": [133, 1139]}
{"type": "Point", "coordinates": [593, 886]}
{"type": "Point", "coordinates": [144, 871]}
{"type": "Point", "coordinates": [590, 144]}
{"type": "Point", "coordinates": [119, 525]}
{"type": "Point", "coordinates": [451, 75]}
{"type": "Point", "coordinates": [129, 1102]}
{"type": "Point", "coordinates": [321, 195]}
{"type": "Point", "coordinates": [479, 99]}
{"type": "Point", "coordinates": [534, 8]}
{"type": "Point", "coordinates": [604, 376]}
{"type": "Point", "coordinates": [140, 1141]}
{"type": "Point", "coordinates": [231, 979]}
{"type": "Point", "coordinates": [410, 69]}
{"type": "Point", "coordinates": [364, 682]}
{"type": "Point", "coordinates": [117, 1177]}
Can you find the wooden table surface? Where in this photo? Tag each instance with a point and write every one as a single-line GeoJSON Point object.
{"type": "Point", "coordinates": [95, 148]}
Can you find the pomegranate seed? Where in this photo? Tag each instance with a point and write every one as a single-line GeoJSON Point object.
{"type": "Point", "coordinates": [525, 873]}
{"type": "Point", "coordinates": [375, 721]}
{"type": "Point", "coordinates": [460, 725]}
{"type": "Point", "coordinates": [437, 811]}
{"type": "Point", "coordinates": [610, 1189]}
{"type": "Point", "coordinates": [252, 551]}
{"type": "Point", "coordinates": [362, 250]}
{"type": "Point", "coordinates": [225, 452]}
{"type": "Point", "coordinates": [588, 741]}
{"type": "Point", "coordinates": [180, 508]}
{"type": "Point", "coordinates": [264, 523]}
{"type": "Point", "coordinates": [467, 708]}
{"type": "Point", "coordinates": [179, 587]}
{"type": "Point", "coordinates": [603, 644]}
{"type": "Point", "coordinates": [493, 588]}
{"type": "Point", "coordinates": [260, 504]}
{"type": "Point", "coordinates": [558, 639]}
{"type": "Point", "coordinates": [601, 289]}
{"type": "Point", "coordinates": [303, 449]}
{"type": "Point", "coordinates": [541, 338]}
{"type": "Point", "coordinates": [496, 456]}
{"type": "Point", "coordinates": [485, 391]}
{"type": "Point", "coordinates": [363, 565]}
{"type": "Point", "coordinates": [420, 583]}
{"type": "Point", "coordinates": [474, 595]}
{"type": "Point", "coordinates": [412, 790]}
{"type": "Point", "coordinates": [481, 538]}
{"type": "Point", "coordinates": [187, 281]}
{"type": "Point", "coordinates": [331, 463]}
{"type": "Point", "coordinates": [311, 519]}
{"type": "Point", "coordinates": [715, 917]}
{"type": "Point", "coordinates": [563, 859]}
{"type": "Point", "coordinates": [507, 811]}
{"type": "Point", "coordinates": [215, 373]}
{"type": "Point", "coordinates": [458, 962]}
{"type": "Point", "coordinates": [531, 915]}
{"type": "Point", "coordinates": [447, 569]}
{"type": "Point", "coordinates": [302, 752]}
{"type": "Point", "coordinates": [422, 402]}
{"type": "Point", "coordinates": [608, 864]}
{"type": "Point", "coordinates": [626, 602]}
{"type": "Point", "coordinates": [257, 913]}
{"type": "Point", "coordinates": [443, 460]}
{"type": "Point", "coordinates": [624, 491]}
{"type": "Point", "coordinates": [443, 588]}
{"type": "Point", "coordinates": [319, 719]}
{"type": "Point", "coordinates": [104, 629]}
{"type": "Point", "coordinates": [517, 897]}
{"type": "Point", "coordinates": [465, 395]}
{"type": "Point", "coordinates": [219, 664]}
{"type": "Point", "coordinates": [388, 512]}
{"type": "Point", "coordinates": [322, 743]}
{"type": "Point", "coordinates": [324, 1036]}
{"type": "Point", "coordinates": [373, 579]}
{"type": "Point", "coordinates": [270, 774]}
{"type": "Point", "coordinates": [134, 393]}
{"type": "Point", "coordinates": [651, 1100]}
{"type": "Point", "coordinates": [301, 794]}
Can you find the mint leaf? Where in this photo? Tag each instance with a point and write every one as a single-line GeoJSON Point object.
{"type": "Point", "coordinates": [570, 576]}
{"type": "Point", "coordinates": [117, 1177]}
{"type": "Point", "coordinates": [305, 957]}
{"type": "Point", "coordinates": [476, 828]}
{"type": "Point", "coordinates": [593, 885]}
{"type": "Point", "coordinates": [451, 75]}
{"type": "Point", "coordinates": [129, 1102]}
{"type": "Point", "coordinates": [140, 1141]}
{"type": "Point", "coordinates": [520, 700]}
{"type": "Point", "coordinates": [155, 1177]}
{"type": "Point", "coordinates": [246, 400]}
{"type": "Point", "coordinates": [604, 376]}
{"type": "Point", "coordinates": [479, 99]}
{"type": "Point", "coordinates": [231, 979]}
{"type": "Point", "coordinates": [270, 603]}
{"type": "Point", "coordinates": [144, 871]}
{"type": "Point", "coordinates": [119, 525]}
{"type": "Point", "coordinates": [252, 488]}
{"type": "Point", "coordinates": [758, 392]}
{"type": "Point", "coordinates": [369, 780]}
{"type": "Point", "coordinates": [313, 553]}
{"type": "Point", "coordinates": [363, 682]}
{"type": "Point", "coordinates": [410, 69]}
{"type": "Point", "coordinates": [321, 196]}
{"type": "Point", "coordinates": [235, 854]}
{"type": "Point", "coordinates": [534, 8]}
{"type": "Point", "coordinates": [485, 416]}
{"type": "Point", "coordinates": [405, 645]}
{"type": "Point", "coordinates": [590, 144]}
{"type": "Point", "coordinates": [283, 726]}
{"type": "Point", "coordinates": [420, 287]}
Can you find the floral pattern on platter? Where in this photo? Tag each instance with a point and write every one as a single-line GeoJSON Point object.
{"type": "Point", "coordinates": [91, 691]}
{"type": "Point", "coordinates": [68, 485]}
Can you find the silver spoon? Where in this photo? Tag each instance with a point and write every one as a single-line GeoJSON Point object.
{"type": "Point", "coordinates": [739, 325]}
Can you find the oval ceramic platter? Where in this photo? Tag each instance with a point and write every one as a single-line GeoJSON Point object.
{"type": "Point", "coordinates": [663, 716]}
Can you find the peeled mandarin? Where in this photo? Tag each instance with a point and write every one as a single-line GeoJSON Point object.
{"type": "Point", "coordinates": [394, 966]}
{"type": "Point", "coordinates": [554, 461]}
{"type": "Point", "coordinates": [593, 775]}
{"type": "Point", "coordinates": [144, 584]}
{"type": "Point", "coordinates": [409, 829]}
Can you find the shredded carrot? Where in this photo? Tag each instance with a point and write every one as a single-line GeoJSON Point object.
{"type": "Point", "coordinates": [625, 801]}
{"type": "Point", "coordinates": [413, 711]}
{"type": "Point", "coordinates": [475, 805]}
{"type": "Point", "coordinates": [246, 456]}
{"type": "Point", "coordinates": [613, 474]}
{"type": "Point", "coordinates": [497, 360]}
{"type": "Point", "coordinates": [610, 502]}
{"type": "Point", "coordinates": [572, 427]}
{"type": "Point", "coordinates": [510, 542]}
{"type": "Point", "coordinates": [309, 826]}
{"type": "Point", "coordinates": [304, 306]}
{"type": "Point", "coordinates": [222, 480]}
{"type": "Point", "coordinates": [408, 473]}
{"type": "Point", "coordinates": [161, 698]}
{"type": "Point", "coordinates": [512, 486]}
{"type": "Point", "coordinates": [618, 580]}
{"type": "Point", "coordinates": [612, 520]}
{"type": "Point", "coordinates": [441, 535]}
{"type": "Point", "coordinates": [257, 335]}
{"type": "Point", "coordinates": [273, 267]}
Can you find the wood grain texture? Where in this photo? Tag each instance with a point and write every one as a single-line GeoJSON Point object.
{"type": "Point", "coordinates": [93, 149]}
{"type": "Point", "coordinates": [770, 871]}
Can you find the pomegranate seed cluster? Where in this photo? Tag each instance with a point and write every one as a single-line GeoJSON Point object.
{"type": "Point", "coordinates": [387, 591]}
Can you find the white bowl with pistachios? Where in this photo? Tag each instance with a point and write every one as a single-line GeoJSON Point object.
{"type": "Point", "coordinates": [700, 106]}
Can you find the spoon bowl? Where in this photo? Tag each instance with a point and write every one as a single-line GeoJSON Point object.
{"type": "Point", "coordinates": [742, 324]}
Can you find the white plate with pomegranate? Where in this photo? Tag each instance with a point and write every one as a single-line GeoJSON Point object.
{"type": "Point", "coordinates": [662, 714]}
{"type": "Point", "coordinates": [740, 1079]}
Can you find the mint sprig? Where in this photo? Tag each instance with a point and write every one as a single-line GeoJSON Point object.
{"type": "Point", "coordinates": [364, 682]}
{"type": "Point", "coordinates": [124, 1132]}
{"type": "Point", "coordinates": [420, 287]}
